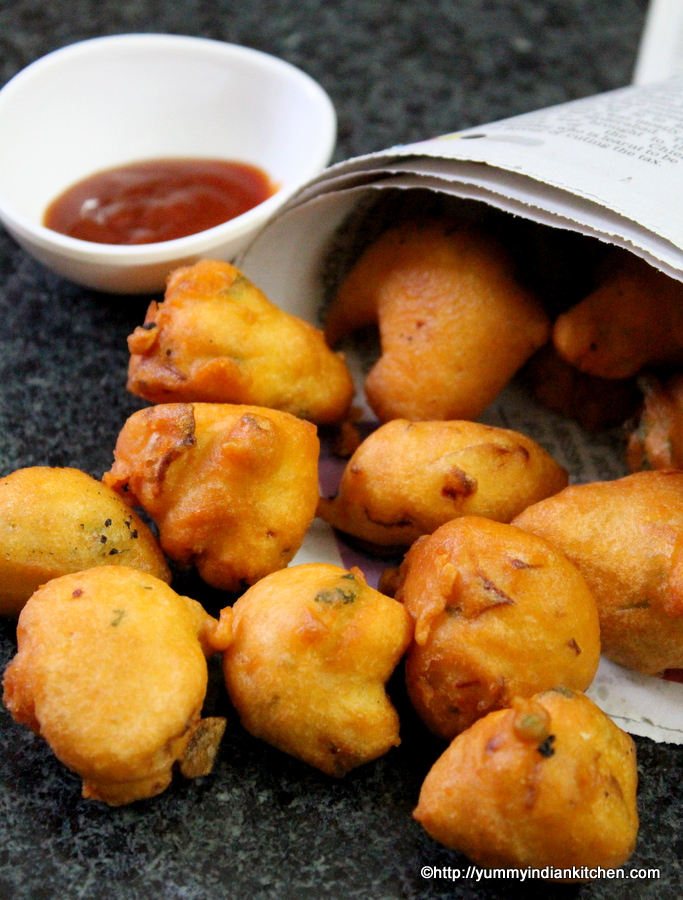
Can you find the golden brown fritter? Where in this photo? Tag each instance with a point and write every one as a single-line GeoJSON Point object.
{"type": "Point", "coordinates": [313, 648]}
{"type": "Point", "coordinates": [407, 478]}
{"type": "Point", "coordinates": [550, 782]}
{"type": "Point", "coordinates": [633, 318]}
{"type": "Point", "coordinates": [658, 439]}
{"type": "Point", "coordinates": [54, 521]}
{"type": "Point", "coordinates": [595, 403]}
{"type": "Point", "coordinates": [111, 671]}
{"type": "Point", "coordinates": [496, 616]}
{"type": "Point", "coordinates": [216, 338]}
{"type": "Point", "coordinates": [233, 489]}
{"type": "Point", "coordinates": [454, 324]}
{"type": "Point", "coordinates": [626, 538]}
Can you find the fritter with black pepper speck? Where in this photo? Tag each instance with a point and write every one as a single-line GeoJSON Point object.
{"type": "Point", "coordinates": [54, 521]}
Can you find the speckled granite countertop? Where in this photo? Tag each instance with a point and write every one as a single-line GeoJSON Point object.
{"type": "Point", "coordinates": [263, 825]}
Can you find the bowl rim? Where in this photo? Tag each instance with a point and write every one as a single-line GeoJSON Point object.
{"type": "Point", "coordinates": [161, 251]}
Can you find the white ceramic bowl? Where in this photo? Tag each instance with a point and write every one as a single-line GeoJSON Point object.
{"type": "Point", "coordinates": [114, 100]}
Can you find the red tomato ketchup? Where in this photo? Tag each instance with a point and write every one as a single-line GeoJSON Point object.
{"type": "Point", "coordinates": [157, 200]}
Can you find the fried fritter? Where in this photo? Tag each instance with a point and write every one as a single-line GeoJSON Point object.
{"type": "Point", "coordinates": [550, 782]}
{"type": "Point", "coordinates": [496, 616]}
{"type": "Point", "coordinates": [658, 438]}
{"type": "Point", "coordinates": [407, 478]}
{"type": "Point", "coordinates": [111, 672]}
{"type": "Point", "coordinates": [313, 648]}
{"type": "Point", "coordinates": [217, 338]}
{"type": "Point", "coordinates": [454, 324]}
{"type": "Point", "coordinates": [233, 489]}
{"type": "Point", "coordinates": [633, 318]}
{"type": "Point", "coordinates": [55, 521]}
{"type": "Point", "coordinates": [626, 538]}
{"type": "Point", "coordinates": [595, 403]}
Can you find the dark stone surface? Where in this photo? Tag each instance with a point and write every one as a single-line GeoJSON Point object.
{"type": "Point", "coordinates": [263, 825]}
{"type": "Point", "coordinates": [397, 70]}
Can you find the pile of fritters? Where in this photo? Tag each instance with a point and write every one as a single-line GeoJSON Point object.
{"type": "Point", "coordinates": [511, 581]}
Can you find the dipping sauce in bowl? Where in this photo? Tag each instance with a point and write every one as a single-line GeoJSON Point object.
{"type": "Point", "coordinates": [157, 200]}
{"type": "Point", "coordinates": [126, 98]}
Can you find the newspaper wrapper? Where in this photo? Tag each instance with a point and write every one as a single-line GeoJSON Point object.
{"type": "Point", "coordinates": [610, 167]}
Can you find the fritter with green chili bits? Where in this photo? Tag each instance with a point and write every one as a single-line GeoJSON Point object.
{"type": "Point", "coordinates": [313, 648]}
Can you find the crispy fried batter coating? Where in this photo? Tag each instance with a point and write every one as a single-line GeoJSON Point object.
{"type": "Point", "coordinates": [595, 403]}
{"type": "Point", "coordinates": [454, 324]}
{"type": "Point", "coordinates": [658, 438]}
{"type": "Point", "coordinates": [407, 478]}
{"type": "Point", "coordinates": [54, 521]}
{"type": "Point", "coordinates": [626, 538]}
{"type": "Point", "coordinates": [111, 671]}
{"type": "Point", "coordinates": [496, 616]}
{"type": "Point", "coordinates": [550, 782]}
{"type": "Point", "coordinates": [313, 648]}
{"type": "Point", "coordinates": [633, 318]}
{"type": "Point", "coordinates": [216, 338]}
{"type": "Point", "coordinates": [233, 489]}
